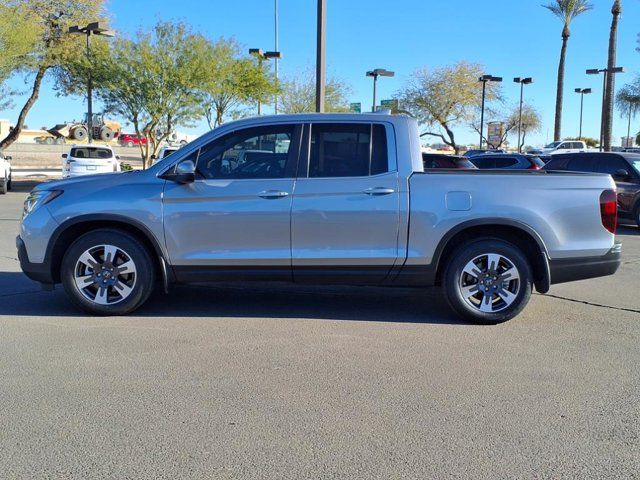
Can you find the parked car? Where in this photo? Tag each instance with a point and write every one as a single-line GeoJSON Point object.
{"type": "Point", "coordinates": [131, 139]}
{"type": "Point", "coordinates": [438, 160]}
{"type": "Point", "coordinates": [565, 146]}
{"type": "Point", "coordinates": [623, 167]}
{"type": "Point", "coordinates": [507, 161]}
{"type": "Point", "coordinates": [89, 159]}
{"type": "Point", "coordinates": [474, 152]}
{"type": "Point", "coordinates": [165, 152]}
{"type": "Point", "coordinates": [5, 173]}
{"type": "Point", "coordinates": [348, 201]}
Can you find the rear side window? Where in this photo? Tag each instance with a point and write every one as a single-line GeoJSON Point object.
{"type": "Point", "coordinates": [91, 152]}
{"type": "Point", "coordinates": [484, 162]}
{"type": "Point", "coordinates": [610, 164]}
{"type": "Point", "coordinates": [581, 163]}
{"type": "Point", "coordinates": [504, 162]}
{"type": "Point", "coordinates": [347, 150]}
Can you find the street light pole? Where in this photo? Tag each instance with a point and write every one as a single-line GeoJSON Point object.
{"type": "Point", "coordinates": [606, 72]}
{"type": "Point", "coordinates": [96, 29]}
{"type": "Point", "coordinates": [261, 56]}
{"type": "Point", "coordinates": [320, 55]}
{"type": "Point", "coordinates": [278, 58]}
{"type": "Point", "coordinates": [484, 79]}
{"type": "Point", "coordinates": [522, 82]}
{"type": "Point", "coordinates": [375, 73]}
{"type": "Point", "coordinates": [582, 92]}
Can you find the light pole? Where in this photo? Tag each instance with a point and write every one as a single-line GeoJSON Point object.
{"type": "Point", "coordinates": [484, 79]}
{"type": "Point", "coordinates": [378, 72]}
{"type": "Point", "coordinates": [260, 55]}
{"type": "Point", "coordinates": [320, 54]}
{"type": "Point", "coordinates": [582, 92]}
{"type": "Point", "coordinates": [275, 17]}
{"type": "Point", "coordinates": [93, 28]}
{"type": "Point", "coordinates": [606, 72]}
{"type": "Point", "coordinates": [522, 82]}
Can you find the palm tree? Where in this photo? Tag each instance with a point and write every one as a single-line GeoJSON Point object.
{"type": "Point", "coordinates": [628, 102]}
{"type": "Point", "coordinates": [607, 114]}
{"type": "Point", "coordinates": [566, 11]}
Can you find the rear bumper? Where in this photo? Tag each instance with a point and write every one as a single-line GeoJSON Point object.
{"type": "Point", "coordinates": [39, 272]}
{"type": "Point", "coordinates": [582, 268]}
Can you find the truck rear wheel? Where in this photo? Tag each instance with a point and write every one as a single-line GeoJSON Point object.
{"type": "Point", "coordinates": [106, 134]}
{"type": "Point", "coordinates": [107, 272]}
{"type": "Point", "coordinates": [79, 133]}
{"type": "Point", "coordinates": [488, 281]}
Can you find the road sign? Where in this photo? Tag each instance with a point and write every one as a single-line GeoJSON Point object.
{"type": "Point", "coordinates": [391, 104]}
{"type": "Point", "coordinates": [355, 107]}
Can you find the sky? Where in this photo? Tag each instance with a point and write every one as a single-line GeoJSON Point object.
{"type": "Point", "coordinates": [509, 38]}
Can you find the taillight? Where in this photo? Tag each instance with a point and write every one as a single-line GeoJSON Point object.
{"type": "Point", "coordinates": [609, 210]}
{"type": "Point", "coordinates": [534, 167]}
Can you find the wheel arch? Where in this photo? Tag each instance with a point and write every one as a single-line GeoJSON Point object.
{"type": "Point", "coordinates": [518, 233]}
{"type": "Point", "coordinates": [68, 231]}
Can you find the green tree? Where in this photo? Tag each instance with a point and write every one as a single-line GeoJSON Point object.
{"type": "Point", "coordinates": [607, 120]}
{"type": "Point", "coordinates": [298, 95]}
{"type": "Point", "coordinates": [234, 80]}
{"type": "Point", "coordinates": [531, 122]}
{"type": "Point", "coordinates": [51, 46]}
{"type": "Point", "coordinates": [445, 97]}
{"type": "Point", "coordinates": [153, 81]}
{"type": "Point", "coordinates": [566, 11]}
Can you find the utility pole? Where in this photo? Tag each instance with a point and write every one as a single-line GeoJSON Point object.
{"type": "Point", "coordinates": [522, 82]}
{"type": "Point", "coordinates": [320, 55]}
{"type": "Point", "coordinates": [276, 49]}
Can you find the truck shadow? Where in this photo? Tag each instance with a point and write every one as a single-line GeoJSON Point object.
{"type": "Point", "coordinates": [627, 231]}
{"type": "Point", "coordinates": [21, 297]}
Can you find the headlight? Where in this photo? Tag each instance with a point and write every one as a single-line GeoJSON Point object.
{"type": "Point", "coordinates": [37, 198]}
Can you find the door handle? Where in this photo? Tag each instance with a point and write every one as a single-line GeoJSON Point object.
{"type": "Point", "coordinates": [272, 194]}
{"type": "Point", "coordinates": [379, 191]}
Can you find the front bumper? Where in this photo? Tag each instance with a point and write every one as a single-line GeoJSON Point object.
{"type": "Point", "coordinates": [582, 268]}
{"type": "Point", "coordinates": [39, 272]}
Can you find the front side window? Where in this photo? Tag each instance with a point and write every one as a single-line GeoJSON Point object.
{"type": "Point", "coordinates": [260, 152]}
{"type": "Point", "coordinates": [348, 150]}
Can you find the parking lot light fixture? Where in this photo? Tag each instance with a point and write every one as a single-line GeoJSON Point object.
{"type": "Point", "coordinates": [522, 81]}
{"type": "Point", "coordinates": [93, 28]}
{"type": "Point", "coordinates": [605, 72]}
{"type": "Point", "coordinates": [378, 72]}
{"type": "Point", "coordinates": [261, 56]}
{"type": "Point", "coordinates": [582, 92]}
{"type": "Point", "coordinates": [484, 79]}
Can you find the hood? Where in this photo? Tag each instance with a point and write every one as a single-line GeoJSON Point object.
{"type": "Point", "coordinates": [98, 180]}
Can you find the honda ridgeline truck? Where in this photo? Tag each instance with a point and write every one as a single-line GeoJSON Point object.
{"type": "Point", "coordinates": [322, 198]}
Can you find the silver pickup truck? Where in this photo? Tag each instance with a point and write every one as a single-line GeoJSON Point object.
{"type": "Point", "coordinates": [335, 198]}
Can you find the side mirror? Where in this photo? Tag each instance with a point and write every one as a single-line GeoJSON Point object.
{"type": "Point", "coordinates": [8, 158]}
{"type": "Point", "coordinates": [117, 157]}
{"type": "Point", "coordinates": [621, 174]}
{"type": "Point", "coordinates": [183, 172]}
{"type": "Point", "coordinates": [65, 155]}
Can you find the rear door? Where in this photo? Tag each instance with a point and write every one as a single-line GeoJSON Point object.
{"type": "Point", "coordinates": [345, 211]}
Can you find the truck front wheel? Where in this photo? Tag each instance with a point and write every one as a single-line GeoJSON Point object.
{"type": "Point", "coordinates": [107, 272]}
{"type": "Point", "coordinates": [487, 281]}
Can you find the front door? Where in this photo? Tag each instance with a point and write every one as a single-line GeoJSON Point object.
{"type": "Point", "coordinates": [234, 220]}
{"type": "Point", "coordinates": [345, 211]}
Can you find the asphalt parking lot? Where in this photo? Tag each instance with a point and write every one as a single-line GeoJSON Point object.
{"type": "Point", "coordinates": [272, 381]}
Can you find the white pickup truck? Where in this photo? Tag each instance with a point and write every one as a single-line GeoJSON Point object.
{"type": "Point", "coordinates": [335, 198]}
{"type": "Point", "coordinates": [565, 146]}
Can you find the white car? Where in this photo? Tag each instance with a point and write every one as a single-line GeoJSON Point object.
{"type": "Point", "coordinates": [89, 159]}
{"type": "Point", "coordinates": [566, 146]}
{"type": "Point", "coordinates": [5, 174]}
{"type": "Point", "coordinates": [165, 152]}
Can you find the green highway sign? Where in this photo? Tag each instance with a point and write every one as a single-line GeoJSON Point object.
{"type": "Point", "coordinates": [391, 104]}
{"type": "Point", "coordinates": [355, 107]}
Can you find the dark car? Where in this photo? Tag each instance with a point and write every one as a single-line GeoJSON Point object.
{"type": "Point", "coordinates": [438, 160]}
{"type": "Point", "coordinates": [507, 161]}
{"type": "Point", "coordinates": [623, 167]}
{"type": "Point", "coordinates": [474, 152]}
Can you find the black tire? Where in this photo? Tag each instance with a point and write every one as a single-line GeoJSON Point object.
{"type": "Point", "coordinates": [636, 215]}
{"type": "Point", "coordinates": [496, 281]}
{"type": "Point", "coordinates": [10, 183]}
{"type": "Point", "coordinates": [80, 133]}
{"type": "Point", "coordinates": [4, 185]}
{"type": "Point", "coordinates": [142, 283]}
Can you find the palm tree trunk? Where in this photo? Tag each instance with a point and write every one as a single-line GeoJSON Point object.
{"type": "Point", "coordinates": [557, 131]}
{"type": "Point", "coordinates": [35, 91]}
{"type": "Point", "coordinates": [610, 86]}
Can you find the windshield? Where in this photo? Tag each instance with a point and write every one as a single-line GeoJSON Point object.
{"type": "Point", "coordinates": [553, 145]}
{"type": "Point", "coordinates": [636, 165]}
